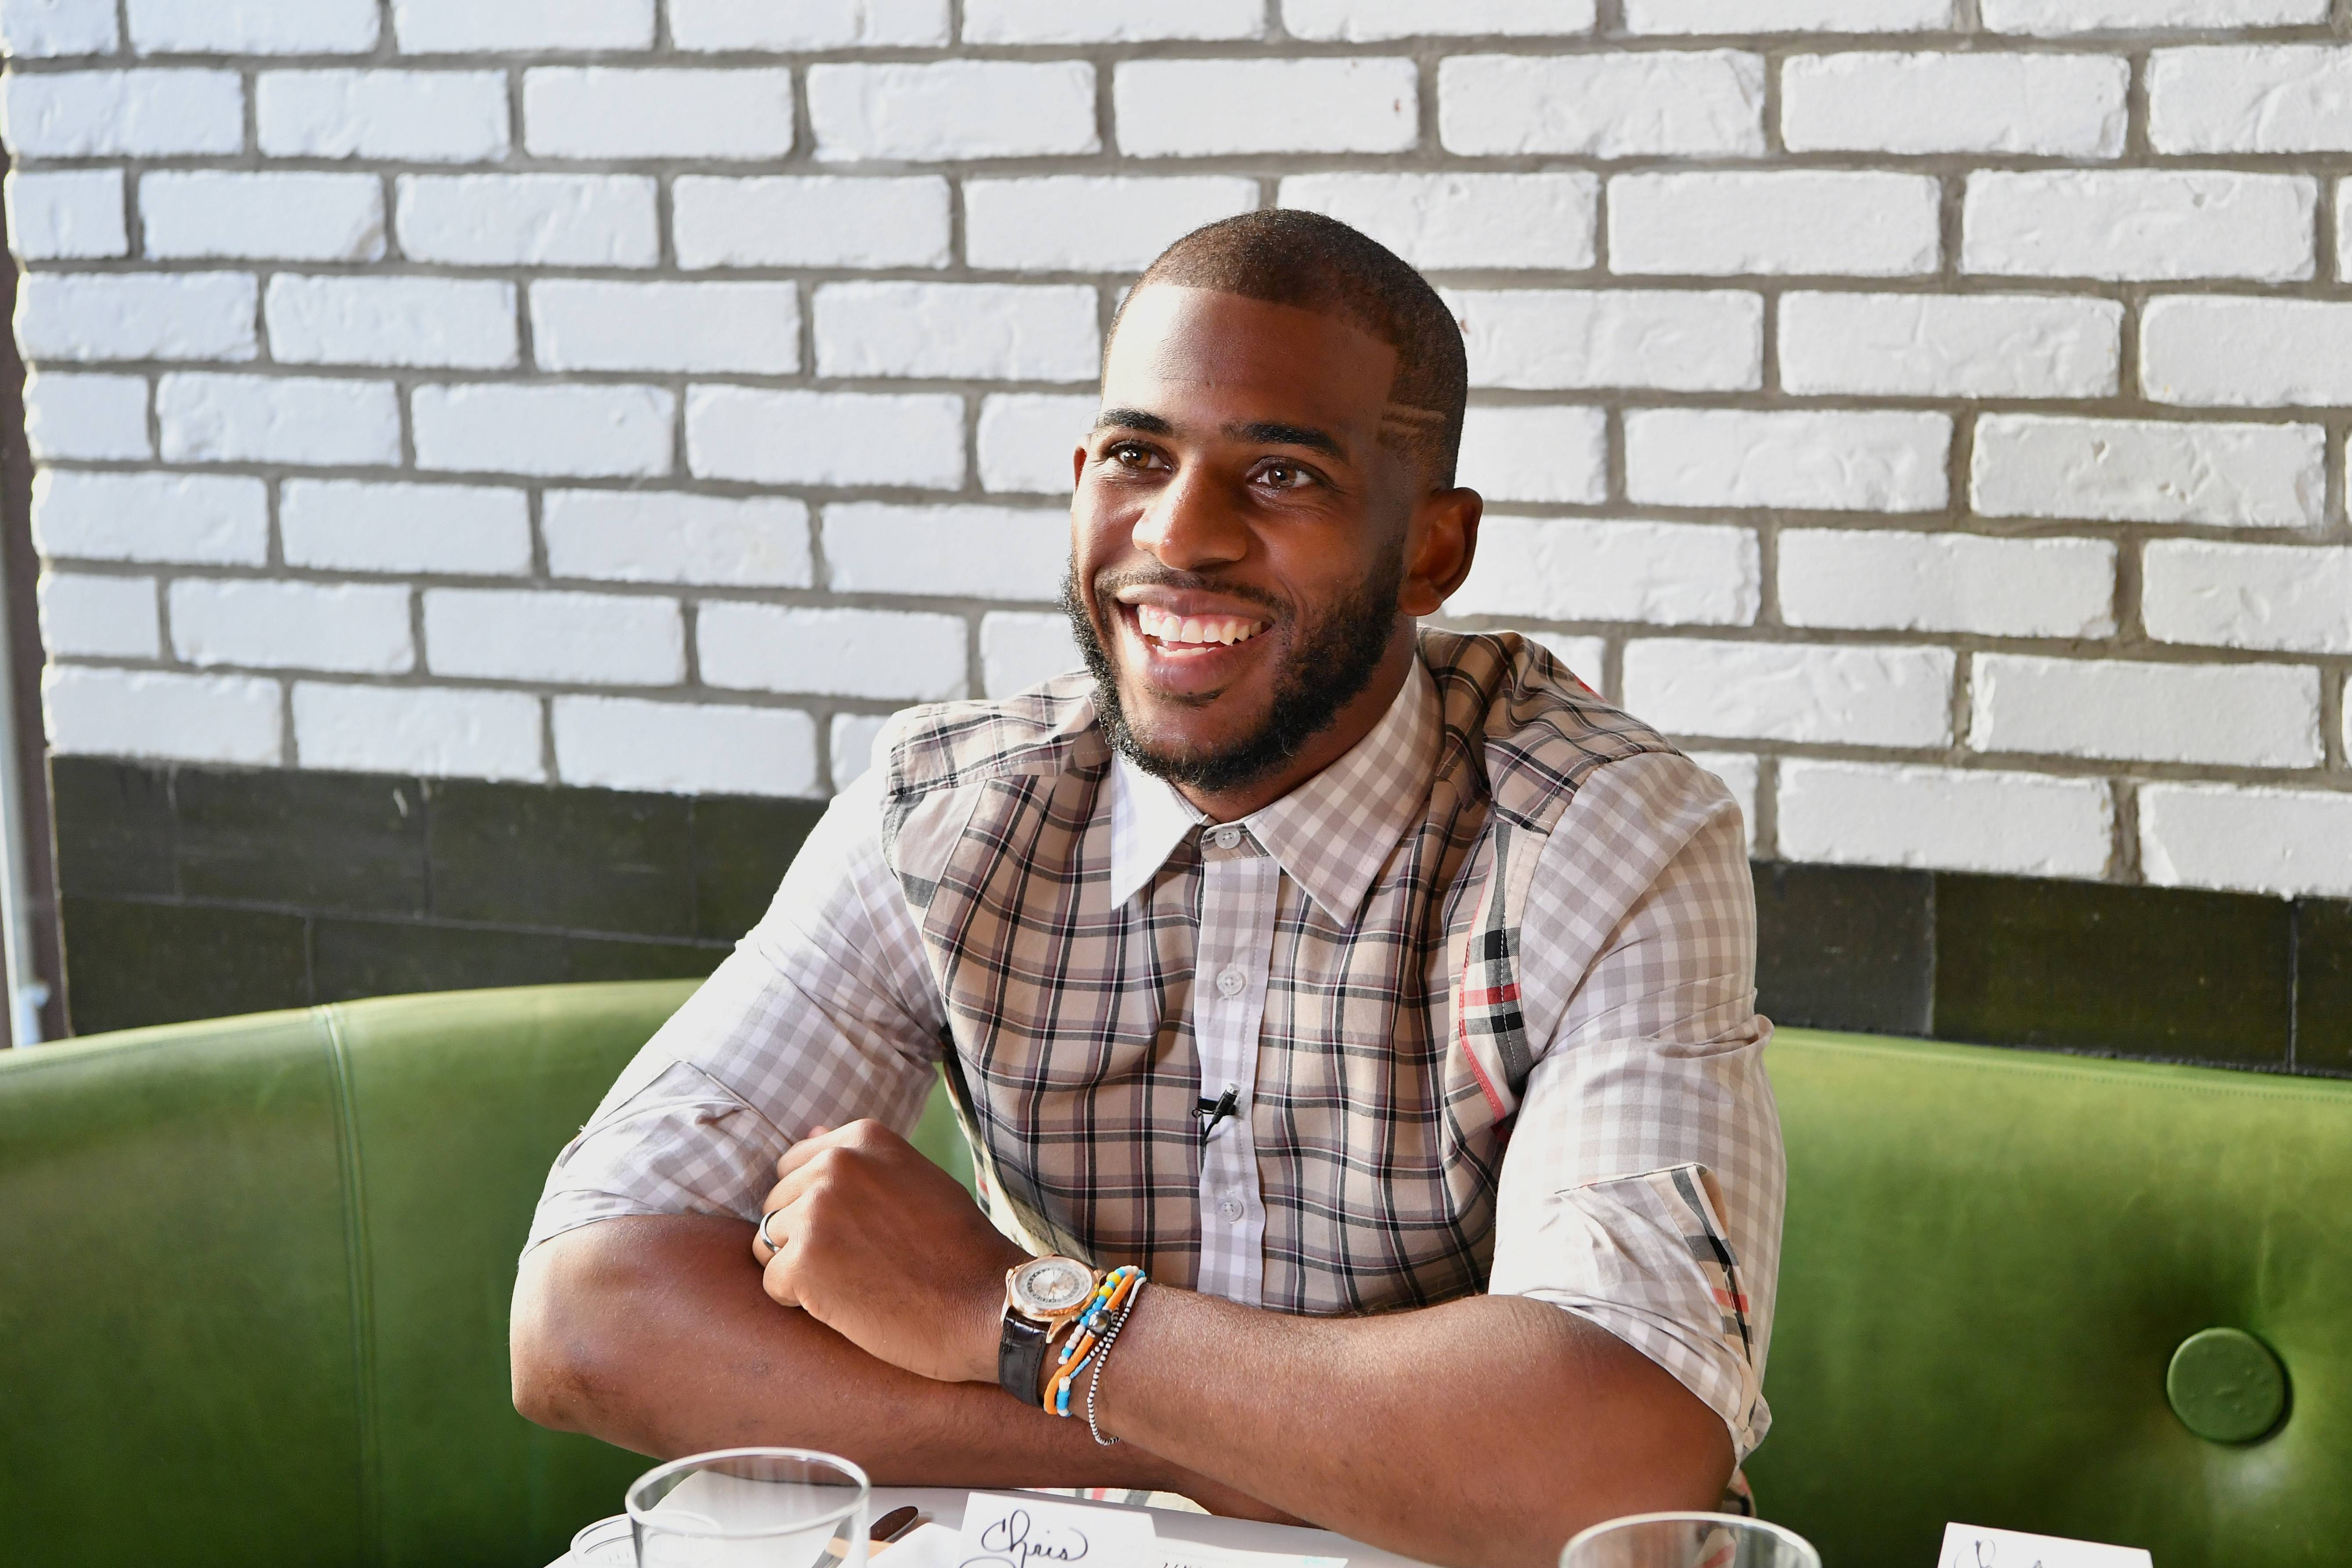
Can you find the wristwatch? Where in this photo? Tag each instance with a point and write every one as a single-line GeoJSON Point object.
{"type": "Point", "coordinates": [1040, 1298]}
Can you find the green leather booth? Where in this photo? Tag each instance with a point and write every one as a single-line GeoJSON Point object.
{"type": "Point", "coordinates": [254, 1277]}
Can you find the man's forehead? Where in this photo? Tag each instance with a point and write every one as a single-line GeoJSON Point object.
{"type": "Point", "coordinates": [1173, 337]}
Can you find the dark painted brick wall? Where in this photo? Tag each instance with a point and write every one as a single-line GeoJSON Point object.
{"type": "Point", "coordinates": [193, 892]}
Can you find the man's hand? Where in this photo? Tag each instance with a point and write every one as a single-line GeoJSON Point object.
{"type": "Point", "coordinates": [885, 1250]}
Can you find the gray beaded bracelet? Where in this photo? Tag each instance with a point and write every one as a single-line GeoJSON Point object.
{"type": "Point", "coordinates": [1102, 1359]}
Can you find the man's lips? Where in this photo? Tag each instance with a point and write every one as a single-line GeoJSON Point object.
{"type": "Point", "coordinates": [1168, 620]}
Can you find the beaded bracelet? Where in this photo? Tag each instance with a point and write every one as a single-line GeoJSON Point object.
{"type": "Point", "coordinates": [1086, 1336]}
{"type": "Point", "coordinates": [1102, 1361]}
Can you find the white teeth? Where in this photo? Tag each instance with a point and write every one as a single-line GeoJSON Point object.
{"type": "Point", "coordinates": [1199, 629]}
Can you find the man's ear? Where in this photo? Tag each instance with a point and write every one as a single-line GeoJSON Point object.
{"type": "Point", "coordinates": [1446, 526]}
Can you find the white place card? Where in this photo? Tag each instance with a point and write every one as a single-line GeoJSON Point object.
{"type": "Point", "coordinates": [1001, 1531]}
{"type": "Point", "coordinates": [1975, 1546]}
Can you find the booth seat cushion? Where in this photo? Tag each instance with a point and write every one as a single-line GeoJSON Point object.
{"type": "Point", "coordinates": [1990, 1259]}
{"type": "Point", "coordinates": [255, 1273]}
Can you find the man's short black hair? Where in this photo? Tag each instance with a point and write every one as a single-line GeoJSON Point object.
{"type": "Point", "coordinates": [1286, 257]}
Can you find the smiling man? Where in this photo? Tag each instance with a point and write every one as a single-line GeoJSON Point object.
{"type": "Point", "coordinates": [1380, 995]}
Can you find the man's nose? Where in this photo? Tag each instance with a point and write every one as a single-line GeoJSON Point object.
{"type": "Point", "coordinates": [1190, 525]}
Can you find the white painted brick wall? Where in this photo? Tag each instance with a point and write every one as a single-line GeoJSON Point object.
{"type": "Point", "coordinates": [1928, 346]}
{"type": "Point", "coordinates": [953, 110]}
{"type": "Point", "coordinates": [2139, 224]}
{"type": "Point", "coordinates": [1864, 460]}
{"type": "Point", "coordinates": [1786, 16]}
{"type": "Point", "coordinates": [2241, 715]}
{"type": "Point", "coordinates": [644, 354]}
{"type": "Point", "coordinates": [684, 748]}
{"type": "Point", "coordinates": [852, 736]}
{"type": "Point", "coordinates": [1439, 222]}
{"type": "Point", "coordinates": [527, 220]}
{"type": "Point", "coordinates": [1580, 569]}
{"type": "Point", "coordinates": [304, 420]}
{"type": "Point", "coordinates": [289, 217]}
{"type": "Point", "coordinates": [1195, 108]}
{"type": "Point", "coordinates": [410, 116]}
{"type": "Point", "coordinates": [72, 215]}
{"type": "Point", "coordinates": [356, 628]}
{"type": "Point", "coordinates": [1701, 104]}
{"type": "Point", "coordinates": [99, 617]}
{"type": "Point", "coordinates": [959, 552]}
{"type": "Point", "coordinates": [125, 114]}
{"type": "Point", "coordinates": [467, 323]}
{"type": "Point", "coordinates": [593, 111]}
{"type": "Point", "coordinates": [807, 23]}
{"type": "Point", "coordinates": [232, 718]}
{"type": "Point", "coordinates": [137, 315]}
{"type": "Point", "coordinates": [200, 518]}
{"type": "Point", "coordinates": [354, 525]}
{"type": "Point", "coordinates": [662, 536]}
{"type": "Point", "coordinates": [1740, 772]}
{"type": "Point", "coordinates": [2282, 597]}
{"type": "Point", "coordinates": [585, 432]}
{"type": "Point", "coordinates": [1019, 649]}
{"type": "Point", "coordinates": [2266, 840]}
{"type": "Point", "coordinates": [1846, 695]}
{"type": "Point", "coordinates": [1084, 223]}
{"type": "Point", "coordinates": [438, 26]}
{"type": "Point", "coordinates": [2055, 106]}
{"type": "Point", "coordinates": [2241, 475]}
{"type": "Point", "coordinates": [91, 416]}
{"type": "Point", "coordinates": [1374, 21]}
{"type": "Point", "coordinates": [2220, 352]}
{"type": "Point", "coordinates": [1669, 340]}
{"type": "Point", "coordinates": [600, 639]}
{"type": "Point", "coordinates": [32, 28]}
{"type": "Point", "coordinates": [1108, 21]}
{"type": "Point", "coordinates": [251, 27]}
{"type": "Point", "coordinates": [2010, 823]}
{"type": "Point", "coordinates": [1541, 452]}
{"type": "Point", "coordinates": [1823, 222]}
{"type": "Point", "coordinates": [1879, 580]}
{"type": "Point", "coordinates": [886, 653]}
{"type": "Point", "coordinates": [578, 324]}
{"type": "Point", "coordinates": [992, 332]}
{"type": "Point", "coordinates": [810, 220]}
{"type": "Point", "coordinates": [1027, 440]}
{"type": "Point", "coordinates": [825, 437]}
{"type": "Point", "coordinates": [436, 731]}
{"type": "Point", "coordinates": [2057, 18]}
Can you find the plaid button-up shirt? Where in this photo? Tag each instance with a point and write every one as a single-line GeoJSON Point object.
{"type": "Point", "coordinates": [1094, 959]}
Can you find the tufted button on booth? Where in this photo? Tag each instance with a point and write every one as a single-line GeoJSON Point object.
{"type": "Point", "coordinates": [2226, 1385]}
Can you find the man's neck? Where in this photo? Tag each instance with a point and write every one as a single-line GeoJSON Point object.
{"type": "Point", "coordinates": [1353, 721]}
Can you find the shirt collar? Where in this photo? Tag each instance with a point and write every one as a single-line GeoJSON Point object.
{"type": "Point", "coordinates": [1331, 834]}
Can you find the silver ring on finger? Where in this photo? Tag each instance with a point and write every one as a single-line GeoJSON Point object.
{"type": "Point", "coordinates": [773, 1245]}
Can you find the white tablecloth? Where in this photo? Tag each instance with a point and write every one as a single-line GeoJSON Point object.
{"type": "Point", "coordinates": [945, 1505]}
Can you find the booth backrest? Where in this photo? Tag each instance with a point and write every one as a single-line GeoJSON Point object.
{"type": "Point", "coordinates": [254, 1278]}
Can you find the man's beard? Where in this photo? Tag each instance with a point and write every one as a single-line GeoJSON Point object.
{"type": "Point", "coordinates": [1331, 661]}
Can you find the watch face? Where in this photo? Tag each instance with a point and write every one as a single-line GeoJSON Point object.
{"type": "Point", "coordinates": [1048, 1287]}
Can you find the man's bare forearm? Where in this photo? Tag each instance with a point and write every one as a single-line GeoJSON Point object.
{"type": "Point", "coordinates": [655, 1335]}
{"type": "Point", "coordinates": [1485, 1431]}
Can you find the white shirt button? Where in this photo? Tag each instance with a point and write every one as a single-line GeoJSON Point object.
{"type": "Point", "coordinates": [1230, 1210]}
{"type": "Point", "coordinates": [1232, 981]}
{"type": "Point", "coordinates": [1228, 838]}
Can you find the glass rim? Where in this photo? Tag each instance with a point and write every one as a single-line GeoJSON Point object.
{"type": "Point", "coordinates": [1781, 1533]}
{"type": "Point", "coordinates": [642, 1516]}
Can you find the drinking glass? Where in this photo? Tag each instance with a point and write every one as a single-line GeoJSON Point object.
{"type": "Point", "coordinates": [749, 1507]}
{"type": "Point", "coordinates": [1688, 1541]}
{"type": "Point", "coordinates": [607, 1543]}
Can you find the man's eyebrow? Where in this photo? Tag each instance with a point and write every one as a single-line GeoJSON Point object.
{"type": "Point", "coordinates": [1305, 435]}
{"type": "Point", "coordinates": [1133, 419]}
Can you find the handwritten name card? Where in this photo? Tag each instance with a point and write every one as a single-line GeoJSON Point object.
{"type": "Point", "coordinates": [1974, 1546]}
{"type": "Point", "coordinates": [1018, 1531]}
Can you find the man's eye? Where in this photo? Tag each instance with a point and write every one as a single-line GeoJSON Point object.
{"type": "Point", "coordinates": [1285, 475]}
{"type": "Point", "coordinates": [1127, 454]}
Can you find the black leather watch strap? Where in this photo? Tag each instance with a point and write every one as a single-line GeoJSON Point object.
{"type": "Point", "coordinates": [1021, 1358]}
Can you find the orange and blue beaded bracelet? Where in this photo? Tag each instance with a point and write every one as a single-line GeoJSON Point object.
{"type": "Point", "coordinates": [1111, 1297]}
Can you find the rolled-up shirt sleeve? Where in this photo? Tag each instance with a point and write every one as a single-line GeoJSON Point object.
{"type": "Point", "coordinates": [1643, 1187]}
{"type": "Point", "coordinates": [824, 1014]}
